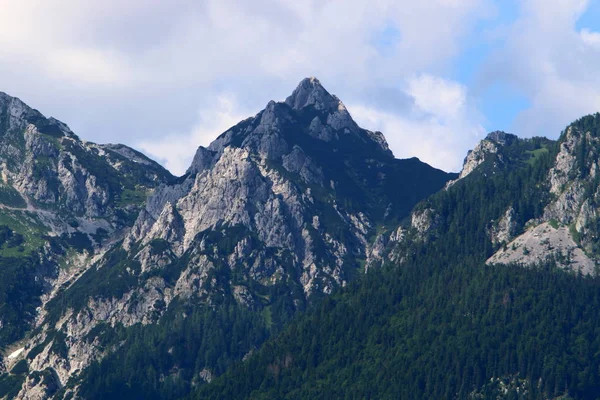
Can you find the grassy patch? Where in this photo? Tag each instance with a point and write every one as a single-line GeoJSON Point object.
{"type": "Point", "coordinates": [574, 234]}
{"type": "Point", "coordinates": [25, 225]}
{"type": "Point", "coordinates": [128, 197]}
{"type": "Point", "coordinates": [10, 197]}
{"type": "Point", "coordinates": [536, 154]}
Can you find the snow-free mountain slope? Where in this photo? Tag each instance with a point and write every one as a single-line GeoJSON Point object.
{"type": "Point", "coordinates": [488, 291]}
{"type": "Point", "coordinates": [277, 212]}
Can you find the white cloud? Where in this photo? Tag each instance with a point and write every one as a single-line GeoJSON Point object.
{"type": "Point", "coordinates": [131, 71]}
{"type": "Point", "coordinates": [90, 66]}
{"type": "Point", "coordinates": [145, 67]}
{"type": "Point", "coordinates": [590, 38]}
{"type": "Point", "coordinates": [440, 128]}
{"type": "Point", "coordinates": [552, 63]}
{"type": "Point", "coordinates": [437, 96]}
{"type": "Point", "coordinates": [176, 150]}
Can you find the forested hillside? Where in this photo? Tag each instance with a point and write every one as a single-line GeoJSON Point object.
{"type": "Point", "coordinates": [440, 322]}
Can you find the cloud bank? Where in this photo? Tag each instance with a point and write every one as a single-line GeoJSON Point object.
{"type": "Point", "coordinates": [169, 76]}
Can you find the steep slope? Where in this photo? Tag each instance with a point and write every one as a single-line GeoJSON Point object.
{"type": "Point", "coordinates": [567, 231]}
{"type": "Point", "coordinates": [303, 178]}
{"type": "Point", "coordinates": [63, 201]}
{"type": "Point", "coordinates": [278, 211]}
{"type": "Point", "coordinates": [442, 319]}
{"type": "Point", "coordinates": [434, 330]}
{"type": "Point", "coordinates": [52, 168]}
{"type": "Point", "coordinates": [556, 218]}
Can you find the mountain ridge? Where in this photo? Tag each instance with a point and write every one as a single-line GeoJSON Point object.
{"type": "Point", "coordinates": [277, 212]}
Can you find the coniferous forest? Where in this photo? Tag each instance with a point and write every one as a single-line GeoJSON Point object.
{"type": "Point", "coordinates": [440, 324]}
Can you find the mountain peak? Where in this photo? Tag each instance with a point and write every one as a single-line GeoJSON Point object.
{"type": "Point", "coordinates": [501, 137]}
{"type": "Point", "coordinates": [310, 92]}
{"type": "Point", "coordinates": [310, 108]}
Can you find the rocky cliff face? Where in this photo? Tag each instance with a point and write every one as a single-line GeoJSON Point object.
{"type": "Point", "coordinates": [291, 202]}
{"type": "Point", "coordinates": [484, 150]}
{"type": "Point", "coordinates": [570, 212]}
{"type": "Point", "coordinates": [63, 203]}
{"type": "Point", "coordinates": [289, 177]}
{"type": "Point", "coordinates": [559, 227]}
{"type": "Point", "coordinates": [50, 167]}
{"type": "Point", "coordinates": [59, 186]}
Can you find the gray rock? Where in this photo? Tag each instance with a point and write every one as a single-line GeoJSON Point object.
{"type": "Point", "coordinates": [504, 229]}
{"type": "Point", "coordinates": [203, 160]}
{"type": "Point", "coordinates": [310, 92]}
{"type": "Point", "coordinates": [541, 243]}
{"type": "Point", "coordinates": [256, 201]}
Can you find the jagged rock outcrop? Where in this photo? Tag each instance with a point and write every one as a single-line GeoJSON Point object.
{"type": "Point", "coordinates": [484, 148]}
{"type": "Point", "coordinates": [247, 177]}
{"type": "Point", "coordinates": [49, 166]}
{"type": "Point", "coordinates": [286, 202]}
{"type": "Point", "coordinates": [571, 182]}
{"type": "Point", "coordinates": [424, 220]}
{"type": "Point", "coordinates": [568, 195]}
{"type": "Point", "coordinates": [64, 202]}
{"type": "Point", "coordinates": [574, 184]}
{"type": "Point", "coordinates": [203, 159]}
{"type": "Point", "coordinates": [505, 228]}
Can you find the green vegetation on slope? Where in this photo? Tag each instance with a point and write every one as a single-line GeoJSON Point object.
{"type": "Point", "coordinates": [443, 324]}
{"type": "Point", "coordinates": [10, 197]}
{"type": "Point", "coordinates": [164, 360]}
{"type": "Point", "coordinates": [433, 332]}
{"type": "Point", "coordinates": [19, 295]}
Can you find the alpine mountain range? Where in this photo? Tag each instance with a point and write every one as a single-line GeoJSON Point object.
{"type": "Point", "coordinates": [297, 258]}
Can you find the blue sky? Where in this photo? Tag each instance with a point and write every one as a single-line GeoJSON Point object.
{"type": "Point", "coordinates": [499, 102]}
{"type": "Point", "coordinates": [434, 76]}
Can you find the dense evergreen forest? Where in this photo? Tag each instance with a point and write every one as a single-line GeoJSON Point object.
{"type": "Point", "coordinates": [434, 331]}
{"type": "Point", "coordinates": [444, 324]}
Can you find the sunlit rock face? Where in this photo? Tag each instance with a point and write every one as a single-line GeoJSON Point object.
{"type": "Point", "coordinates": [293, 202]}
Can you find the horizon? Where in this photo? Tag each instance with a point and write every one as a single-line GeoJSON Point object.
{"type": "Point", "coordinates": [485, 136]}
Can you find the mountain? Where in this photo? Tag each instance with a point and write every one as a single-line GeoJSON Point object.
{"type": "Point", "coordinates": [489, 291]}
{"type": "Point", "coordinates": [61, 202]}
{"type": "Point", "coordinates": [298, 259]}
{"type": "Point", "coordinates": [153, 285]}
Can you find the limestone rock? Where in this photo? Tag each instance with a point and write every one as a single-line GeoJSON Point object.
{"type": "Point", "coordinates": [291, 200]}
{"type": "Point", "coordinates": [423, 221]}
{"type": "Point", "coordinates": [484, 148]}
{"type": "Point", "coordinates": [542, 242]}
{"type": "Point", "coordinates": [504, 229]}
